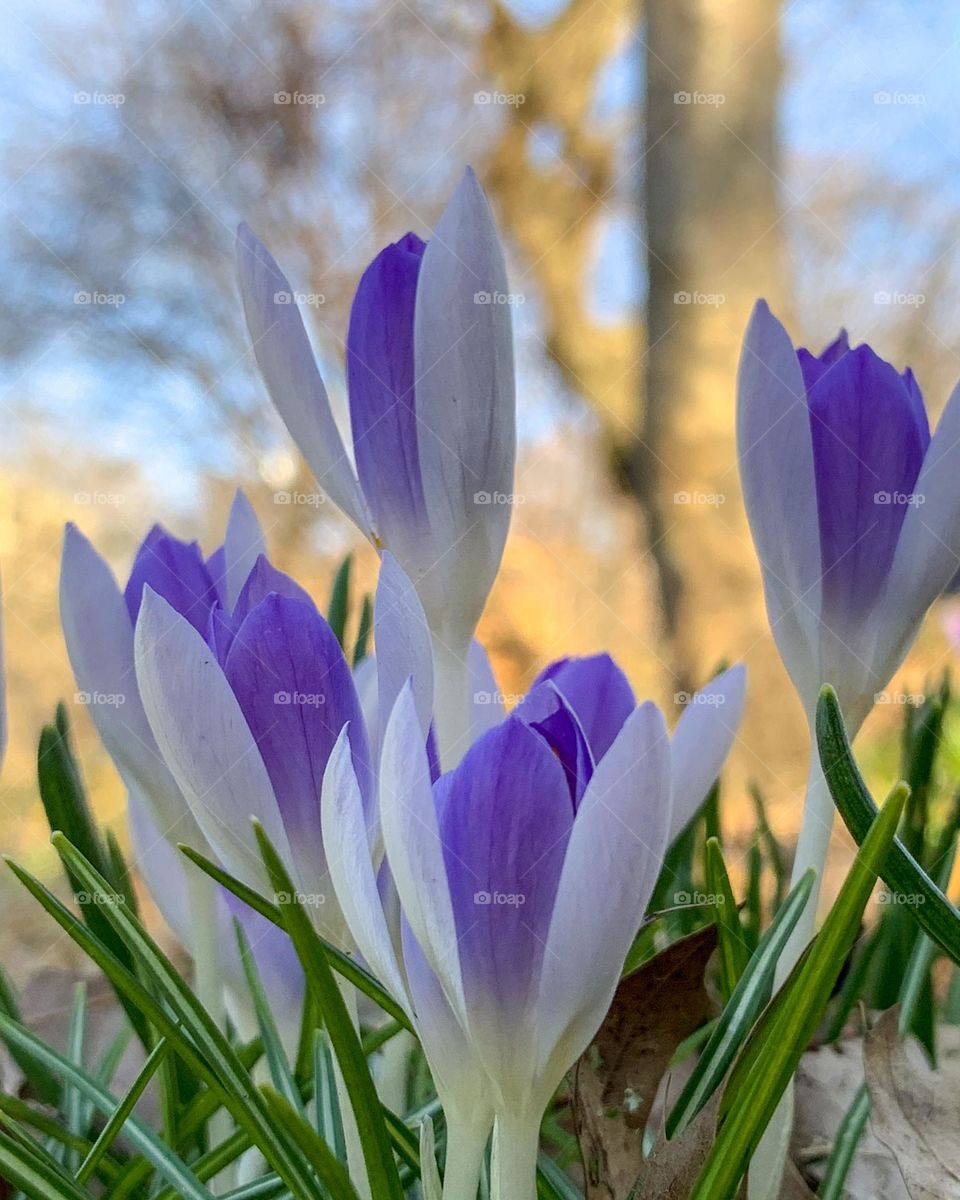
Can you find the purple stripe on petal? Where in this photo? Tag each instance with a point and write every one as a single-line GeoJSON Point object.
{"type": "Point", "coordinates": [547, 710]}
{"type": "Point", "coordinates": [504, 817]}
{"type": "Point", "coordinates": [380, 378]}
{"type": "Point", "coordinates": [176, 571]}
{"type": "Point", "coordinates": [296, 692]}
{"type": "Point", "coordinates": [869, 433]}
{"type": "Point", "coordinates": [264, 580]}
{"type": "Point", "coordinates": [598, 692]}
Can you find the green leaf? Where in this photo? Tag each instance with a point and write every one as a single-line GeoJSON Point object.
{"type": "Point", "coordinates": [377, 1152]}
{"type": "Point", "coordinates": [27, 1166]}
{"type": "Point", "coordinates": [25, 1114]}
{"type": "Point", "coordinates": [361, 647]}
{"type": "Point", "coordinates": [845, 1146]}
{"type": "Point", "coordinates": [273, 1049]}
{"type": "Point", "coordinates": [75, 1110]}
{"type": "Point", "coordinates": [770, 1056]}
{"type": "Point", "coordinates": [751, 994]}
{"type": "Point", "coordinates": [332, 1173]}
{"type": "Point", "coordinates": [342, 963]}
{"type": "Point", "coordinates": [138, 1134]}
{"type": "Point", "coordinates": [730, 944]}
{"type": "Point", "coordinates": [175, 1012]}
{"type": "Point", "coordinates": [339, 608]}
{"type": "Point", "coordinates": [43, 1082]}
{"type": "Point", "coordinates": [773, 849]}
{"type": "Point", "coordinates": [900, 870]}
{"type": "Point", "coordinates": [326, 1104]}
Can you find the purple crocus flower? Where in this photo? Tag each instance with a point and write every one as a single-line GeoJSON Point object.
{"type": "Point", "coordinates": [522, 877]}
{"type": "Point", "coordinates": [431, 388]}
{"type": "Point", "coordinates": [854, 510]}
{"type": "Point", "coordinates": [98, 622]}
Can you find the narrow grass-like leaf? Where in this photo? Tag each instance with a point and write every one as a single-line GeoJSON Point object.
{"type": "Point", "coordinates": [916, 979]}
{"type": "Point", "coordinates": [75, 1110]}
{"type": "Point", "coordinates": [339, 607]}
{"type": "Point", "coordinates": [342, 963]}
{"type": "Point", "coordinates": [554, 1183]}
{"type": "Point", "coordinates": [326, 1105]}
{"type": "Point", "coordinates": [730, 944]}
{"type": "Point", "coordinates": [772, 847]}
{"type": "Point", "coordinates": [28, 1115]}
{"type": "Point", "coordinates": [361, 647]}
{"type": "Point", "coordinates": [773, 1050]}
{"type": "Point", "coordinates": [371, 1130]}
{"type": "Point", "coordinates": [844, 1147]}
{"type": "Point", "coordinates": [45, 1084]}
{"type": "Point", "coordinates": [750, 996]}
{"type": "Point", "coordinates": [900, 871]}
{"type": "Point", "coordinates": [331, 1171]}
{"type": "Point", "coordinates": [273, 1049]}
{"type": "Point", "coordinates": [27, 1166]}
{"type": "Point", "coordinates": [140, 1136]}
{"type": "Point", "coordinates": [118, 1118]}
{"type": "Point", "coordinates": [179, 1016]}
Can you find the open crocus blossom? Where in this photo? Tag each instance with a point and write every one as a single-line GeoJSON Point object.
{"type": "Point", "coordinates": [855, 512]}
{"type": "Point", "coordinates": [98, 622]}
{"type": "Point", "coordinates": [522, 877]}
{"type": "Point", "coordinates": [431, 391]}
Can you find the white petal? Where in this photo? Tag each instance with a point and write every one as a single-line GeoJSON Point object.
{"type": "Point", "coordinates": [348, 843]}
{"type": "Point", "coordinates": [205, 739]}
{"type": "Point", "coordinates": [365, 680]}
{"type": "Point", "coordinates": [702, 741]}
{"type": "Point", "coordinates": [99, 638]}
{"type": "Point", "coordinates": [928, 549]}
{"type": "Point", "coordinates": [486, 701]}
{"type": "Point", "coordinates": [775, 450]}
{"type": "Point", "coordinates": [290, 372]}
{"type": "Point", "coordinates": [414, 851]}
{"type": "Point", "coordinates": [463, 350]}
{"type": "Point", "coordinates": [242, 545]}
{"type": "Point", "coordinates": [612, 862]}
{"type": "Point", "coordinates": [402, 641]}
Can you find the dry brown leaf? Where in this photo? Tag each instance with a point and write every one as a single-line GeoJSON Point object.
{"type": "Point", "coordinates": [615, 1082]}
{"type": "Point", "coordinates": [915, 1111]}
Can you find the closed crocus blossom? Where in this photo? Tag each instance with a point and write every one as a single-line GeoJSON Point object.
{"type": "Point", "coordinates": [855, 512]}
{"type": "Point", "coordinates": [431, 392]}
{"type": "Point", "coordinates": [98, 623]}
{"type": "Point", "coordinates": [522, 876]}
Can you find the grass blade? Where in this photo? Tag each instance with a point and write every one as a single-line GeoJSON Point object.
{"type": "Point", "coordinates": [730, 944]}
{"type": "Point", "coordinates": [845, 1146]}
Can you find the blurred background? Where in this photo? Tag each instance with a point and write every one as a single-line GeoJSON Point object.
{"type": "Point", "coordinates": [654, 168]}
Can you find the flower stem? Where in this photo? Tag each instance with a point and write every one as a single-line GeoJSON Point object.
{"type": "Point", "coordinates": [516, 1144]}
{"type": "Point", "coordinates": [451, 707]}
{"type": "Point", "coordinates": [466, 1143]}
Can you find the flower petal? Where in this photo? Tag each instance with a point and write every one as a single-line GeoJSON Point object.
{"type": "Point", "coordinates": [619, 837]}
{"type": "Point", "coordinates": [465, 409]}
{"type": "Point", "coordinates": [701, 742]}
{"type": "Point", "coordinates": [242, 546]}
{"type": "Point", "coordinates": [99, 637]}
{"type": "Point", "coordinates": [486, 701]}
{"type": "Point", "coordinates": [402, 641]}
{"type": "Point", "coordinates": [290, 372]}
{"type": "Point", "coordinates": [597, 691]}
{"type": "Point", "coordinates": [411, 837]}
{"type": "Point", "coordinates": [176, 571]}
{"type": "Point", "coordinates": [775, 449]}
{"type": "Point", "coordinates": [205, 740]}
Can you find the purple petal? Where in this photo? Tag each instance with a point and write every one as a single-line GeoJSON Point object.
{"type": "Point", "coordinates": [598, 692]}
{"type": "Point", "coordinates": [295, 689]}
{"type": "Point", "coordinates": [869, 438]}
{"type": "Point", "coordinates": [547, 710]}
{"type": "Point", "coordinates": [380, 379]}
{"type": "Point", "coordinates": [505, 815]}
{"type": "Point", "coordinates": [176, 571]}
{"type": "Point", "coordinates": [264, 580]}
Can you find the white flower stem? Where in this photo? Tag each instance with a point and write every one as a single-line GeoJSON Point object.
{"type": "Point", "coordinates": [516, 1144]}
{"type": "Point", "coordinates": [767, 1164]}
{"type": "Point", "coordinates": [356, 1165]}
{"type": "Point", "coordinates": [451, 707]}
{"type": "Point", "coordinates": [466, 1144]}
